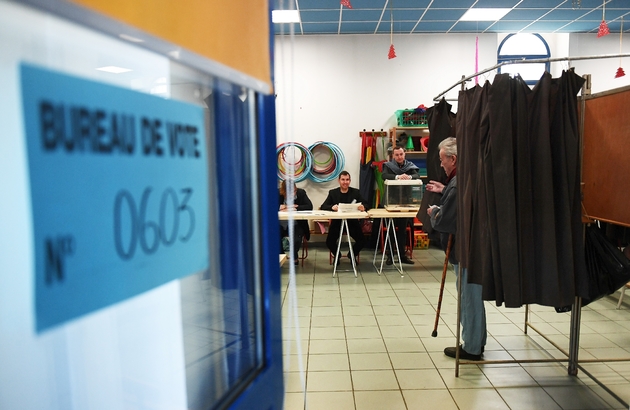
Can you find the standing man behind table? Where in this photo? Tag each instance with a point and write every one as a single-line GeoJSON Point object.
{"type": "Point", "coordinates": [444, 220]}
{"type": "Point", "coordinates": [345, 194]}
{"type": "Point", "coordinates": [400, 168]}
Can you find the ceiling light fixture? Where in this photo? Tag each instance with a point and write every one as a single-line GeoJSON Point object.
{"type": "Point", "coordinates": [285, 16]}
{"type": "Point", "coordinates": [113, 69]}
{"type": "Point", "coordinates": [483, 14]}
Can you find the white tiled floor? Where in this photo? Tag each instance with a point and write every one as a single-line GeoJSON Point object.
{"type": "Point", "coordinates": [365, 343]}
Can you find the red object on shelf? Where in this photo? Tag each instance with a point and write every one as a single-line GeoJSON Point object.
{"type": "Point", "coordinates": [424, 142]}
{"type": "Point", "coordinates": [620, 73]}
{"type": "Point", "coordinates": [603, 29]}
{"type": "Point", "coordinates": [392, 52]}
{"type": "Point", "coordinates": [346, 3]}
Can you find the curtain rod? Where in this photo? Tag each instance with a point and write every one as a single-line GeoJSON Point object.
{"type": "Point", "coordinates": [524, 61]}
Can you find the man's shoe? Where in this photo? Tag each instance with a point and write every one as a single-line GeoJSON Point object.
{"type": "Point", "coordinates": [463, 355]}
{"type": "Point", "coordinates": [297, 262]}
{"type": "Point", "coordinates": [482, 348]}
{"type": "Point", "coordinates": [460, 346]}
{"type": "Point", "coordinates": [406, 260]}
{"type": "Point", "coordinates": [389, 261]}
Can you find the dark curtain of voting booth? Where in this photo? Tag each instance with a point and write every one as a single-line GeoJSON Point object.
{"type": "Point", "coordinates": [519, 227]}
{"type": "Point", "coordinates": [441, 126]}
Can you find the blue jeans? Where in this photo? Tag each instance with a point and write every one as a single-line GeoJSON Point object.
{"type": "Point", "coordinates": [472, 315]}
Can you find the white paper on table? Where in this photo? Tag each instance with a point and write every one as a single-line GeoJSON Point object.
{"type": "Point", "coordinates": [348, 207]}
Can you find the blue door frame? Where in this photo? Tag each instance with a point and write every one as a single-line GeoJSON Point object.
{"type": "Point", "coordinates": [264, 388]}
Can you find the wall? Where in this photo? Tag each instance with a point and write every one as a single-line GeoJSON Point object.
{"type": "Point", "coordinates": [331, 87]}
{"type": "Point", "coordinates": [602, 71]}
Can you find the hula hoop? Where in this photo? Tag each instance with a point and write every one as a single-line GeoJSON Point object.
{"type": "Point", "coordinates": [329, 169]}
{"type": "Point", "coordinates": [301, 166]}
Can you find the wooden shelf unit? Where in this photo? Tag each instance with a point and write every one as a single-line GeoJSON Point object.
{"type": "Point", "coordinates": [415, 133]}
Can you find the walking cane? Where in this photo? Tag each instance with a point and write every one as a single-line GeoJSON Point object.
{"type": "Point", "coordinates": [439, 306]}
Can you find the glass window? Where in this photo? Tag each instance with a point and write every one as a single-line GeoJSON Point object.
{"type": "Point", "coordinates": [524, 46]}
{"type": "Point", "coordinates": [221, 307]}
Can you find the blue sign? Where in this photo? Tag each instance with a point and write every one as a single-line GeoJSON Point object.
{"type": "Point", "coordinates": [119, 187]}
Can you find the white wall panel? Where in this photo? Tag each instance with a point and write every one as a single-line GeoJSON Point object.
{"type": "Point", "coordinates": [602, 71]}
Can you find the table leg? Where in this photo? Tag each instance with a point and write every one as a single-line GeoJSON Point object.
{"type": "Point", "coordinates": [388, 223]}
{"type": "Point", "coordinates": [338, 247]}
{"type": "Point", "coordinates": [378, 241]}
{"type": "Point", "coordinates": [389, 227]}
{"type": "Point", "coordinates": [393, 228]}
{"type": "Point", "coordinates": [354, 267]}
{"type": "Point", "coordinates": [344, 227]}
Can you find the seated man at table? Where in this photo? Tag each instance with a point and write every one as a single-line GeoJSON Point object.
{"type": "Point", "coordinates": [345, 194]}
{"type": "Point", "coordinates": [400, 168]}
{"type": "Point", "coordinates": [301, 202]}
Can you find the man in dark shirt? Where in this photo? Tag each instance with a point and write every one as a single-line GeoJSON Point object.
{"type": "Point", "coordinates": [400, 168]}
{"type": "Point", "coordinates": [301, 202]}
{"type": "Point", "coordinates": [345, 194]}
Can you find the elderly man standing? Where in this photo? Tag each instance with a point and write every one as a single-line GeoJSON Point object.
{"type": "Point", "coordinates": [400, 168]}
{"type": "Point", "coordinates": [444, 220]}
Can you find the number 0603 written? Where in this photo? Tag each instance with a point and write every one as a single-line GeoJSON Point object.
{"type": "Point", "coordinates": [132, 225]}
